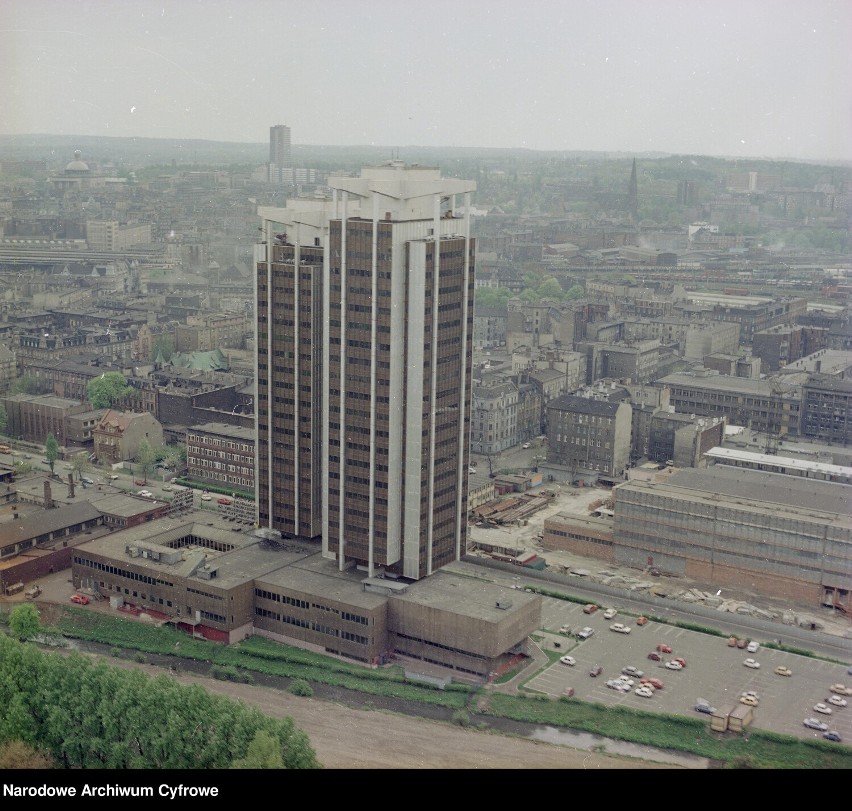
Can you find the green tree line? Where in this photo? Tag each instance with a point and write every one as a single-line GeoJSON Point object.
{"type": "Point", "coordinates": [94, 715]}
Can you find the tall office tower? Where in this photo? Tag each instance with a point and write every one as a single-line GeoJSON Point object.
{"type": "Point", "coordinates": [289, 408]}
{"type": "Point", "coordinates": [397, 316]}
{"type": "Point", "coordinates": [279, 151]}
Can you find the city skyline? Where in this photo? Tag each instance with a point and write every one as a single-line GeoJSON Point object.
{"type": "Point", "coordinates": [757, 79]}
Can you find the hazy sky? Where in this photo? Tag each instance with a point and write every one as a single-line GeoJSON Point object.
{"type": "Point", "coordinates": [758, 78]}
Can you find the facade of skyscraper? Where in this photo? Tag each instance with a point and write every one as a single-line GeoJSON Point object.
{"type": "Point", "coordinates": [280, 156]}
{"type": "Point", "coordinates": [365, 335]}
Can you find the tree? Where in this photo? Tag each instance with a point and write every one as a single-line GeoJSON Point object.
{"type": "Point", "coordinates": [51, 450]}
{"type": "Point", "coordinates": [264, 752]}
{"type": "Point", "coordinates": [108, 390]}
{"type": "Point", "coordinates": [146, 456]}
{"type": "Point", "coordinates": [24, 621]}
{"type": "Point", "coordinates": [80, 464]}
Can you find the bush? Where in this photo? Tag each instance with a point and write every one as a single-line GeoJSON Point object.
{"type": "Point", "coordinates": [115, 653]}
{"type": "Point", "coordinates": [139, 657]}
{"type": "Point", "coordinates": [301, 688]}
{"type": "Point", "coordinates": [461, 718]}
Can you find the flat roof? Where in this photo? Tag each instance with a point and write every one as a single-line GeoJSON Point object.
{"type": "Point", "coordinates": [734, 454]}
{"type": "Point", "coordinates": [469, 596]}
{"type": "Point", "coordinates": [775, 492]}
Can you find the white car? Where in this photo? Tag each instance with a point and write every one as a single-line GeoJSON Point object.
{"type": "Point", "coordinates": [837, 701]}
{"type": "Point", "coordinates": [568, 660]}
{"type": "Point", "coordinates": [585, 633]}
{"type": "Point", "coordinates": [609, 613]}
{"type": "Point", "coordinates": [753, 647]}
{"type": "Point", "coordinates": [674, 665]}
{"type": "Point", "coordinates": [751, 663]}
{"type": "Point", "coordinates": [168, 487]}
{"type": "Point", "coordinates": [823, 708]}
{"type": "Point", "coordinates": [815, 723]}
{"type": "Point", "coordinates": [644, 692]}
{"type": "Point", "coordinates": [619, 628]}
{"type": "Point", "coordinates": [630, 670]}
{"type": "Point", "coordinates": [841, 689]}
{"type": "Point", "coordinates": [145, 493]}
{"type": "Point", "coordinates": [207, 497]}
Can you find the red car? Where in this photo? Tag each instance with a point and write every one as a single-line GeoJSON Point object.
{"type": "Point", "coordinates": [596, 671]}
{"type": "Point", "coordinates": [80, 599]}
{"type": "Point", "coordinates": [654, 657]}
{"type": "Point", "coordinates": [732, 641]}
{"type": "Point", "coordinates": [656, 683]}
{"type": "Point", "coordinates": [139, 482]}
{"type": "Point", "coordinates": [741, 643]}
{"type": "Point", "coordinates": [590, 608]}
{"type": "Point", "coordinates": [642, 621]}
{"type": "Point", "coordinates": [223, 500]}
{"type": "Point", "coordinates": [682, 662]}
{"type": "Point", "coordinates": [664, 648]}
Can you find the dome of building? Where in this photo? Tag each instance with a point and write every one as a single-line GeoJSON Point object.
{"type": "Point", "coordinates": [77, 165]}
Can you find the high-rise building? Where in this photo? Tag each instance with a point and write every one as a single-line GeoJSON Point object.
{"type": "Point", "coordinates": [383, 276]}
{"type": "Point", "coordinates": [280, 156]}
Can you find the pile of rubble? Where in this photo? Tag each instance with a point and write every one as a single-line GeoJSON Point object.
{"type": "Point", "coordinates": [787, 616]}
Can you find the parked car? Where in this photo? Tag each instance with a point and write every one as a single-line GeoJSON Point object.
{"type": "Point", "coordinates": [609, 613]}
{"type": "Point", "coordinates": [596, 670]}
{"type": "Point", "coordinates": [568, 660]}
{"type": "Point", "coordinates": [703, 706]}
{"type": "Point", "coordinates": [139, 482]}
{"type": "Point", "coordinates": [565, 630]}
{"type": "Point", "coordinates": [832, 736]}
{"type": "Point", "coordinates": [632, 671]}
{"type": "Point", "coordinates": [590, 608]}
{"type": "Point", "coordinates": [814, 723]}
{"type": "Point", "coordinates": [680, 660]}
{"type": "Point", "coordinates": [753, 647]}
{"type": "Point", "coordinates": [145, 493]}
{"type": "Point", "coordinates": [751, 663]}
{"type": "Point", "coordinates": [751, 701]}
{"type": "Point", "coordinates": [618, 684]}
{"type": "Point", "coordinates": [750, 693]}
{"type": "Point", "coordinates": [525, 445]}
{"type": "Point", "coordinates": [642, 621]}
{"type": "Point", "coordinates": [224, 501]}
{"type": "Point", "coordinates": [781, 670]}
{"type": "Point", "coordinates": [206, 497]}
{"type": "Point", "coordinates": [619, 628]}
{"type": "Point", "coordinates": [644, 692]}
{"type": "Point", "coordinates": [654, 656]}
{"type": "Point", "coordinates": [822, 708]}
{"type": "Point", "coordinates": [741, 643]}
{"type": "Point", "coordinates": [585, 633]}
{"type": "Point", "coordinates": [841, 690]}
{"type": "Point", "coordinates": [732, 641]}
{"type": "Point", "coordinates": [168, 487]}
{"type": "Point", "coordinates": [837, 701]}
{"type": "Point", "coordinates": [80, 599]}
{"type": "Point", "coordinates": [664, 648]}
{"type": "Point", "coordinates": [655, 683]}
{"type": "Point", "coordinates": [674, 665]}
{"type": "Point", "coordinates": [113, 477]}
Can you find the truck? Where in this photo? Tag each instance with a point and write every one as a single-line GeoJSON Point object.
{"type": "Point", "coordinates": [14, 588]}
{"type": "Point", "coordinates": [740, 717]}
{"type": "Point", "coordinates": [33, 591]}
{"type": "Point", "coordinates": [719, 719]}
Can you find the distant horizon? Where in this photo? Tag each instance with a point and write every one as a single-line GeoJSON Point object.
{"type": "Point", "coordinates": [263, 145]}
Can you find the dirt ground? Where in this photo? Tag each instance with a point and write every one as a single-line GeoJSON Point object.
{"type": "Point", "coordinates": [347, 738]}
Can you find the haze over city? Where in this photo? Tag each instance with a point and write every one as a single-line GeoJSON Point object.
{"type": "Point", "coordinates": [762, 78]}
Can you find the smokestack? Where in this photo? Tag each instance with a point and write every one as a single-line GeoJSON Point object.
{"type": "Point", "coordinates": [71, 485]}
{"type": "Point", "coordinates": [48, 498]}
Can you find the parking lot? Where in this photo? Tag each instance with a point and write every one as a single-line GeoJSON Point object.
{"type": "Point", "coordinates": [714, 671]}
